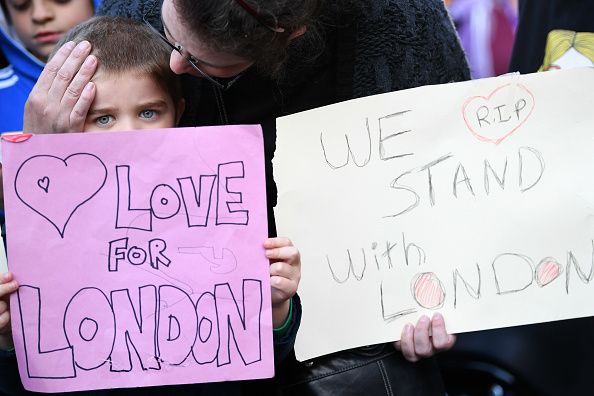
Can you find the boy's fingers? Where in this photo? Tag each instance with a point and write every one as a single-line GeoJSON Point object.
{"type": "Point", "coordinates": [285, 253]}
{"type": "Point", "coordinates": [7, 276]}
{"type": "Point", "coordinates": [283, 269]}
{"type": "Point", "coordinates": [423, 346]}
{"type": "Point", "coordinates": [4, 320]}
{"type": "Point", "coordinates": [440, 336]}
{"type": "Point", "coordinates": [7, 288]}
{"type": "Point", "coordinates": [407, 343]}
{"type": "Point", "coordinates": [48, 74]}
{"type": "Point", "coordinates": [284, 285]}
{"type": "Point", "coordinates": [3, 307]}
{"type": "Point", "coordinates": [271, 243]}
{"type": "Point", "coordinates": [69, 68]}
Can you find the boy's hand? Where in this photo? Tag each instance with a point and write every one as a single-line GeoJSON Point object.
{"type": "Point", "coordinates": [7, 286]}
{"type": "Point", "coordinates": [416, 343]}
{"type": "Point", "coordinates": [285, 272]}
{"type": "Point", "coordinates": [62, 96]}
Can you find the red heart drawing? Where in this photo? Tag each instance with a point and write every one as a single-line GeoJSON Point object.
{"type": "Point", "coordinates": [55, 188]}
{"type": "Point", "coordinates": [496, 117]}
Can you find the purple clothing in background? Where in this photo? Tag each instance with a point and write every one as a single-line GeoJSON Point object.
{"type": "Point", "coordinates": [486, 30]}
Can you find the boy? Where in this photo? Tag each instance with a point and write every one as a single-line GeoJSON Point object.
{"type": "Point", "coordinates": [29, 31]}
{"type": "Point", "coordinates": [136, 89]}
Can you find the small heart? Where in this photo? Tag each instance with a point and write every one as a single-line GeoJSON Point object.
{"type": "Point", "coordinates": [547, 271]}
{"type": "Point", "coordinates": [496, 117]}
{"type": "Point", "coordinates": [75, 180]}
{"type": "Point", "coordinates": [428, 290]}
{"type": "Point", "coordinates": [44, 184]}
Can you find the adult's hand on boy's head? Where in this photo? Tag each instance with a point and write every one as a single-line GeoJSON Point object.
{"type": "Point", "coordinates": [62, 96]}
{"type": "Point", "coordinates": [425, 339]}
{"type": "Point", "coordinates": [285, 273]}
{"type": "Point", "coordinates": [7, 286]}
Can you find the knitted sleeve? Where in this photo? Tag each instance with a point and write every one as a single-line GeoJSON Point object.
{"type": "Point", "coordinates": [404, 44]}
{"type": "Point", "coordinates": [134, 9]}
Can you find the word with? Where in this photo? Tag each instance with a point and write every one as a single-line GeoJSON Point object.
{"type": "Point", "coordinates": [165, 327]}
{"type": "Point", "coordinates": [165, 201]}
{"type": "Point", "coordinates": [512, 273]}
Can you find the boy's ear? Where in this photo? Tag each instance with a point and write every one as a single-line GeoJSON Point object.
{"type": "Point", "coordinates": [179, 110]}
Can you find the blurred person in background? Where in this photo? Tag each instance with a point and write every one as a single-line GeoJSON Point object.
{"type": "Point", "coordinates": [486, 29]}
{"type": "Point", "coordinates": [553, 34]}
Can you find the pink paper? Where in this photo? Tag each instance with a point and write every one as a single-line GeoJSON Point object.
{"type": "Point", "coordinates": [140, 258]}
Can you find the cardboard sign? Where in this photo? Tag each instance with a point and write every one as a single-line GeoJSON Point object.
{"type": "Point", "coordinates": [140, 258]}
{"type": "Point", "coordinates": [474, 199]}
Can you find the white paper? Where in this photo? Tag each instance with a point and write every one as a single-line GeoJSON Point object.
{"type": "Point", "coordinates": [473, 199]}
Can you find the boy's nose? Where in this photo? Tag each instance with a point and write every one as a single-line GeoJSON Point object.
{"type": "Point", "coordinates": [42, 11]}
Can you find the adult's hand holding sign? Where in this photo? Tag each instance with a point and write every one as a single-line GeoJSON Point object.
{"type": "Point", "coordinates": [471, 199]}
{"type": "Point", "coordinates": [139, 257]}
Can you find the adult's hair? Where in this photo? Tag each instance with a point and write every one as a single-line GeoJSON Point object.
{"type": "Point", "coordinates": [123, 45]}
{"type": "Point", "coordinates": [227, 26]}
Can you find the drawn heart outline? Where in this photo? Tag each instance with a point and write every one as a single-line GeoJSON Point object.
{"type": "Point", "coordinates": [61, 229]}
{"type": "Point", "coordinates": [488, 98]}
{"type": "Point", "coordinates": [44, 183]}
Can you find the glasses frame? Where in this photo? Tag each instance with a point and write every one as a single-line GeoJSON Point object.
{"type": "Point", "coordinates": [259, 17]}
{"type": "Point", "coordinates": [192, 60]}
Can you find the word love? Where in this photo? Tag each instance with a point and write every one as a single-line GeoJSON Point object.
{"type": "Point", "coordinates": [166, 201]}
{"type": "Point", "coordinates": [151, 328]}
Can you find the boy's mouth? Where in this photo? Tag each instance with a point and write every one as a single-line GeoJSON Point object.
{"type": "Point", "coordinates": [47, 37]}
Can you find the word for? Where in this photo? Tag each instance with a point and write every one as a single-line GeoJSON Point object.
{"type": "Point", "coordinates": [164, 326]}
{"type": "Point", "coordinates": [119, 251]}
{"type": "Point", "coordinates": [165, 201]}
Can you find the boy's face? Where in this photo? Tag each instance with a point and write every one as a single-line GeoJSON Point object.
{"type": "Point", "coordinates": [129, 101]}
{"type": "Point", "coordinates": [41, 23]}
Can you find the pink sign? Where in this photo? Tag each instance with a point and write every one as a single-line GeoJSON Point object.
{"type": "Point", "coordinates": [140, 258]}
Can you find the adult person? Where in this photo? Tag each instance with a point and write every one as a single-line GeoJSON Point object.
{"type": "Point", "coordinates": [29, 31]}
{"type": "Point", "coordinates": [257, 60]}
{"type": "Point", "coordinates": [553, 34]}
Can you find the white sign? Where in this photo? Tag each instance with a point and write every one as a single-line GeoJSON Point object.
{"type": "Point", "coordinates": [474, 199]}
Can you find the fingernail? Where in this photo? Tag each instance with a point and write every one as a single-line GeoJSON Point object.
{"type": "Point", "coordinates": [437, 317]}
{"type": "Point", "coordinates": [90, 61]}
{"type": "Point", "coordinates": [82, 47]}
{"type": "Point", "coordinates": [89, 87]}
{"type": "Point", "coordinates": [268, 253]}
{"type": "Point", "coordinates": [70, 45]}
{"type": "Point", "coordinates": [408, 328]}
{"type": "Point", "coordinates": [5, 276]}
{"type": "Point", "coordinates": [424, 320]}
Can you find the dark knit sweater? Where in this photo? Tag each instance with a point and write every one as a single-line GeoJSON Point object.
{"type": "Point", "coordinates": [371, 47]}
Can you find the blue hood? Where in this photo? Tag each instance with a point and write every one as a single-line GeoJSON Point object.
{"type": "Point", "coordinates": [16, 80]}
{"type": "Point", "coordinates": [21, 60]}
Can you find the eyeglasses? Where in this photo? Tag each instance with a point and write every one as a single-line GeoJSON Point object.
{"type": "Point", "coordinates": [192, 60]}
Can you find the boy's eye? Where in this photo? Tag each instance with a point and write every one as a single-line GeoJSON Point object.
{"type": "Point", "coordinates": [148, 114]}
{"type": "Point", "coordinates": [21, 5]}
{"type": "Point", "coordinates": [104, 120]}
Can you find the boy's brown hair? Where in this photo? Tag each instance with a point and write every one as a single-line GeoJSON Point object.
{"type": "Point", "coordinates": [123, 45]}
